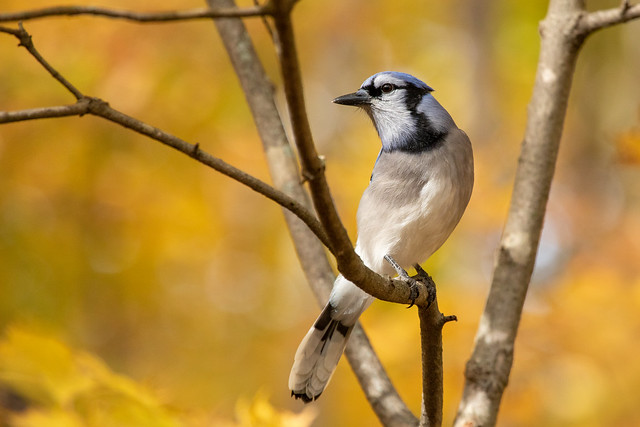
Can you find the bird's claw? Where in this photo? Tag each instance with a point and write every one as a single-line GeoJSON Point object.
{"type": "Point", "coordinates": [421, 276]}
{"type": "Point", "coordinates": [414, 289]}
{"type": "Point", "coordinates": [424, 277]}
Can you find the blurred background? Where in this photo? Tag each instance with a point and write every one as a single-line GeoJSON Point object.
{"type": "Point", "coordinates": [129, 271]}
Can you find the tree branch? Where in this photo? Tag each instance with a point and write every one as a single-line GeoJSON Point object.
{"type": "Point", "coordinates": [312, 164]}
{"type": "Point", "coordinates": [349, 263]}
{"type": "Point", "coordinates": [98, 107]}
{"type": "Point", "coordinates": [27, 43]}
{"type": "Point", "coordinates": [373, 379]}
{"type": "Point", "coordinates": [600, 19]}
{"type": "Point", "coordinates": [563, 32]}
{"type": "Point", "coordinates": [77, 109]}
{"type": "Point", "coordinates": [431, 323]}
{"type": "Point", "coordinates": [142, 17]}
{"type": "Point", "coordinates": [376, 384]}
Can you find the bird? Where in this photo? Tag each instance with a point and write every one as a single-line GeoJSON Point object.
{"type": "Point", "coordinates": [419, 188]}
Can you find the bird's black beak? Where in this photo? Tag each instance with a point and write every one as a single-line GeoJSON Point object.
{"type": "Point", "coordinates": [357, 99]}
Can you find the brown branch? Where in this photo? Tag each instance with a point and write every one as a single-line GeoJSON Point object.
{"type": "Point", "coordinates": [377, 386]}
{"type": "Point", "coordinates": [563, 32]}
{"type": "Point", "coordinates": [259, 93]}
{"type": "Point", "coordinates": [27, 43]}
{"type": "Point", "coordinates": [349, 264]}
{"type": "Point", "coordinates": [431, 323]}
{"type": "Point", "coordinates": [142, 17]}
{"type": "Point", "coordinates": [312, 164]}
{"type": "Point", "coordinates": [98, 107]}
{"type": "Point", "coordinates": [77, 109]}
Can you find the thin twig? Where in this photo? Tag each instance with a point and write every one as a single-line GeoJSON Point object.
{"type": "Point", "coordinates": [27, 43]}
{"type": "Point", "coordinates": [267, 25]}
{"type": "Point", "coordinates": [142, 17]}
{"type": "Point", "coordinates": [431, 324]}
{"type": "Point", "coordinates": [77, 109]}
{"type": "Point", "coordinates": [98, 107]}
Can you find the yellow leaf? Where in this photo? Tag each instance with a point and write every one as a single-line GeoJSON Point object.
{"type": "Point", "coordinates": [51, 418]}
{"type": "Point", "coordinates": [260, 413]}
{"type": "Point", "coordinates": [65, 387]}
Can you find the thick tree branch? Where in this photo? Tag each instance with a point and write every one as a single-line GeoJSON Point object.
{"type": "Point", "coordinates": [142, 17]}
{"type": "Point", "coordinates": [377, 386]}
{"type": "Point", "coordinates": [98, 107]}
{"type": "Point", "coordinates": [487, 371]}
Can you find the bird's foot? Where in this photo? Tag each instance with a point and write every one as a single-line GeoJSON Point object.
{"type": "Point", "coordinates": [414, 289]}
{"type": "Point", "coordinates": [424, 277]}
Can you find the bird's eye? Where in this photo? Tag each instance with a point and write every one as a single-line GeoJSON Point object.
{"type": "Point", "coordinates": [387, 87]}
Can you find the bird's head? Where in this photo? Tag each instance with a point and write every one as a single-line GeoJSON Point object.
{"type": "Point", "coordinates": [405, 114]}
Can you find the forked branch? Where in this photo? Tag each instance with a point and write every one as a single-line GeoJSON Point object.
{"type": "Point", "coordinates": [100, 108]}
{"type": "Point", "coordinates": [563, 32]}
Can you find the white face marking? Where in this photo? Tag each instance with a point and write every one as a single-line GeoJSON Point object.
{"type": "Point", "coordinates": [389, 112]}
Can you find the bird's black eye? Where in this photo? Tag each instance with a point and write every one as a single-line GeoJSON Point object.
{"type": "Point", "coordinates": [387, 87]}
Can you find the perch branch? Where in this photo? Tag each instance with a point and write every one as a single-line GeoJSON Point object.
{"type": "Point", "coordinates": [312, 166]}
{"type": "Point", "coordinates": [349, 263]}
{"type": "Point", "coordinates": [431, 324]}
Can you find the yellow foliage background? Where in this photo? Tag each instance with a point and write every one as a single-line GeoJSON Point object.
{"type": "Point", "coordinates": [136, 283]}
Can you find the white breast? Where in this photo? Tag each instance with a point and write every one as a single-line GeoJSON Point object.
{"type": "Point", "coordinates": [413, 203]}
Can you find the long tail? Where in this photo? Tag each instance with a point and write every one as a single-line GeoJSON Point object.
{"type": "Point", "coordinates": [317, 356]}
{"type": "Point", "coordinates": [320, 350]}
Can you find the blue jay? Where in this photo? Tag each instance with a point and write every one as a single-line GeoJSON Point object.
{"type": "Point", "coordinates": [420, 186]}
